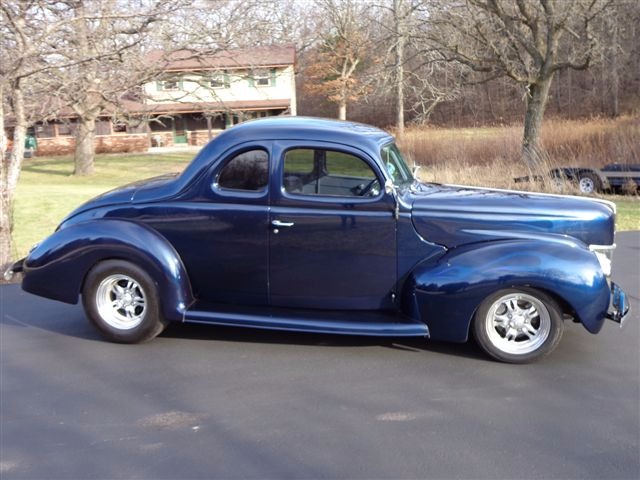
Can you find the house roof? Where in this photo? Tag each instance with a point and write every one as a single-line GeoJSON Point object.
{"type": "Point", "coordinates": [190, 60]}
{"type": "Point", "coordinates": [136, 108]}
{"type": "Point", "coordinates": [183, 107]}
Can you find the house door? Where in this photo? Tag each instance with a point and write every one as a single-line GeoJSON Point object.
{"type": "Point", "coordinates": [179, 130]}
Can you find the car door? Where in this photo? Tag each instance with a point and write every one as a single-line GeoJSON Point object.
{"type": "Point", "coordinates": [221, 232]}
{"type": "Point", "coordinates": [332, 238]}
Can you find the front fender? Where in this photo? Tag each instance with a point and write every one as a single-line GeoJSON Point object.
{"type": "Point", "coordinates": [56, 268]}
{"type": "Point", "coordinates": [446, 295]}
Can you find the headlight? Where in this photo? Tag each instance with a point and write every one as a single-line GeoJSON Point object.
{"type": "Point", "coordinates": [604, 254]}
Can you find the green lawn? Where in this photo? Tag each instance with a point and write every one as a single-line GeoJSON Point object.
{"type": "Point", "coordinates": [628, 212]}
{"type": "Point", "coordinates": [47, 191]}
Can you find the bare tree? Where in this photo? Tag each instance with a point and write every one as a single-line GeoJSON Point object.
{"type": "Point", "coordinates": [415, 76]}
{"type": "Point", "coordinates": [401, 23]}
{"type": "Point", "coordinates": [526, 41]}
{"type": "Point", "coordinates": [429, 85]}
{"type": "Point", "coordinates": [98, 59]}
{"type": "Point", "coordinates": [24, 35]}
{"type": "Point", "coordinates": [402, 37]}
{"type": "Point", "coordinates": [343, 48]}
{"type": "Point", "coordinates": [251, 23]}
{"type": "Point", "coordinates": [107, 49]}
{"type": "Point", "coordinates": [428, 44]}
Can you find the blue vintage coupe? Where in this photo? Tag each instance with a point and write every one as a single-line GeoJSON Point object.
{"type": "Point", "coordinates": [315, 225]}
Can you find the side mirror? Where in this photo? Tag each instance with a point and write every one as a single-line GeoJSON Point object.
{"type": "Point", "coordinates": [415, 170]}
{"type": "Point", "coordinates": [389, 187]}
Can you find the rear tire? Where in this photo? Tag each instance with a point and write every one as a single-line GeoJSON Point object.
{"type": "Point", "coordinates": [518, 325]}
{"type": "Point", "coordinates": [121, 301]}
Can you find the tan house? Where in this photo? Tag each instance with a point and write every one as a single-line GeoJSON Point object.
{"type": "Point", "coordinates": [194, 98]}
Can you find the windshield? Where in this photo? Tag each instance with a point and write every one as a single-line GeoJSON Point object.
{"type": "Point", "coordinates": [395, 164]}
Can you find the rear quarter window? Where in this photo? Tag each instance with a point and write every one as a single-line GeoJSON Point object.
{"type": "Point", "coordinates": [247, 171]}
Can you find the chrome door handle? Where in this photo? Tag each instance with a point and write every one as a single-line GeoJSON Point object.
{"type": "Point", "coordinates": [278, 223]}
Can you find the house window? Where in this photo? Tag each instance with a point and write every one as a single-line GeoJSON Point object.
{"type": "Point", "coordinates": [103, 127]}
{"type": "Point", "coordinates": [264, 78]}
{"type": "Point", "coordinates": [66, 129]}
{"type": "Point", "coordinates": [119, 128]}
{"type": "Point", "coordinates": [219, 80]}
{"type": "Point", "coordinates": [45, 130]}
{"type": "Point", "coordinates": [137, 126]}
{"type": "Point", "coordinates": [169, 84]}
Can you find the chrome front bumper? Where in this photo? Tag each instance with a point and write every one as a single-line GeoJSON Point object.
{"type": "Point", "coordinates": [618, 305]}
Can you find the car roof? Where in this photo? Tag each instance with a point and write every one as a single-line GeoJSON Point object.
{"type": "Point", "coordinates": [307, 128]}
{"type": "Point", "coordinates": [364, 137]}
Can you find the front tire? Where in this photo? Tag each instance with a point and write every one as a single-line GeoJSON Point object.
{"type": "Point", "coordinates": [518, 325]}
{"type": "Point", "coordinates": [121, 301]}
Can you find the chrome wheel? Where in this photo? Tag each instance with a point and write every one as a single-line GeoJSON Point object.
{"type": "Point", "coordinates": [120, 301]}
{"type": "Point", "coordinates": [518, 323]}
{"type": "Point", "coordinates": [587, 185]}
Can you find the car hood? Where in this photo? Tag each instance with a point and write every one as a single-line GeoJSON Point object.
{"type": "Point", "coordinates": [453, 215]}
{"type": "Point", "coordinates": [128, 193]}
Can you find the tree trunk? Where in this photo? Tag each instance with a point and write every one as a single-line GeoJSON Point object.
{"type": "Point", "coordinates": [90, 102]}
{"type": "Point", "coordinates": [9, 174]}
{"type": "Point", "coordinates": [85, 153]}
{"type": "Point", "coordinates": [342, 109]}
{"type": "Point", "coordinates": [209, 132]}
{"type": "Point", "coordinates": [569, 89]}
{"type": "Point", "coordinates": [532, 152]}
{"type": "Point", "coordinates": [400, 96]}
{"type": "Point", "coordinates": [6, 243]}
{"type": "Point", "coordinates": [614, 109]}
{"type": "Point", "coordinates": [6, 227]}
{"type": "Point", "coordinates": [399, 67]}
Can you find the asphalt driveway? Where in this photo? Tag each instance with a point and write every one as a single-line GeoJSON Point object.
{"type": "Point", "coordinates": [206, 402]}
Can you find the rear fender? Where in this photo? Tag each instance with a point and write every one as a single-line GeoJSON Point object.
{"type": "Point", "coordinates": [56, 268]}
{"type": "Point", "coordinates": [445, 295]}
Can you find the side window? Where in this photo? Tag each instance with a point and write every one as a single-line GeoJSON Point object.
{"type": "Point", "coordinates": [339, 163]}
{"type": "Point", "coordinates": [247, 171]}
{"type": "Point", "coordinates": [328, 172]}
{"type": "Point", "coordinates": [299, 162]}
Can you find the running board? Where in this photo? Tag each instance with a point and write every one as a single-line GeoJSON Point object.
{"type": "Point", "coordinates": [368, 323]}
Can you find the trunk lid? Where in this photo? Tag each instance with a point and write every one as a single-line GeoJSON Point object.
{"type": "Point", "coordinates": [125, 194]}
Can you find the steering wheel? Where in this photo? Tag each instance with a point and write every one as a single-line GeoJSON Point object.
{"type": "Point", "coordinates": [367, 190]}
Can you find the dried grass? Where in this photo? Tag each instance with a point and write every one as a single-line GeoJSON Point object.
{"type": "Point", "coordinates": [491, 156]}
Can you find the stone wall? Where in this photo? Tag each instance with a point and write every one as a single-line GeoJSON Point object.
{"type": "Point", "coordinates": [201, 137]}
{"type": "Point", "coordinates": [103, 144]}
{"type": "Point", "coordinates": [121, 143]}
{"type": "Point", "coordinates": [55, 146]}
{"type": "Point", "coordinates": [162, 139]}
